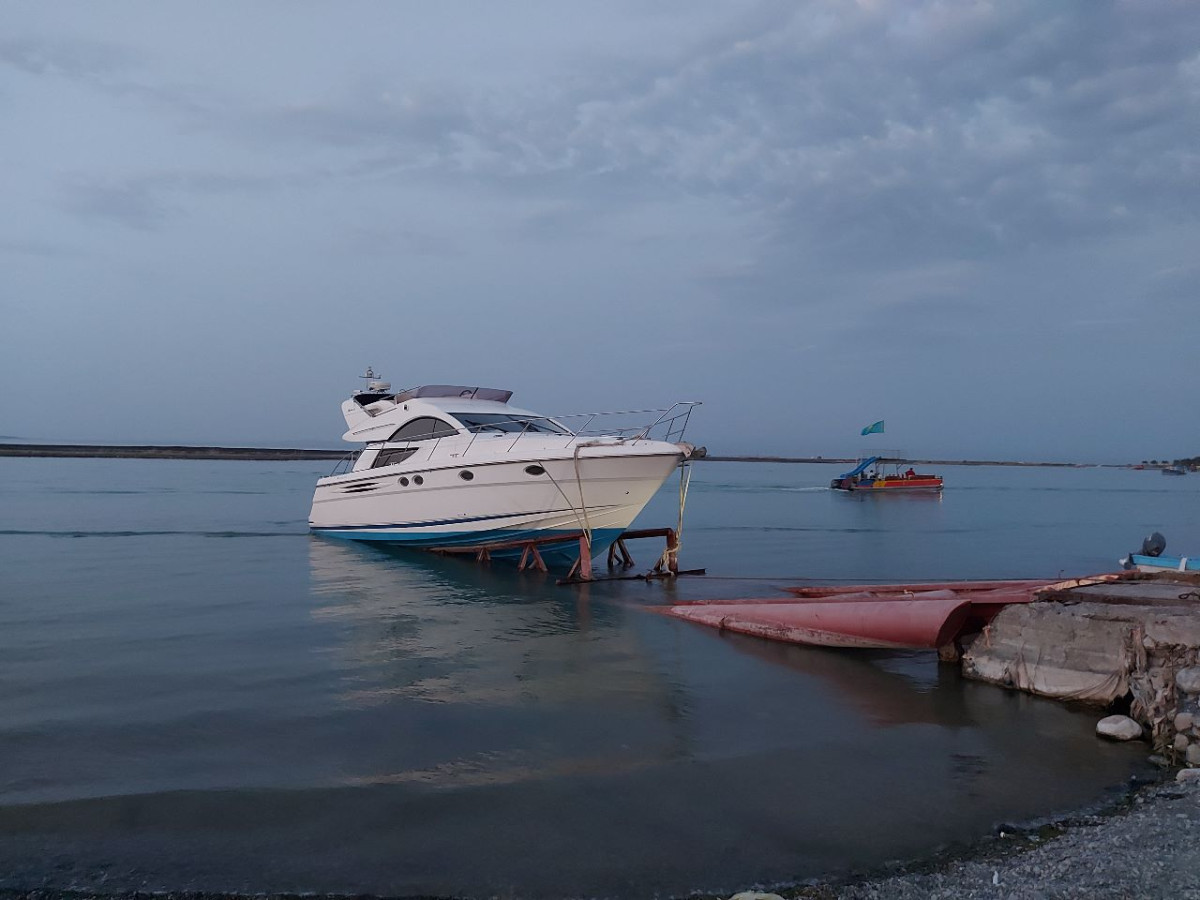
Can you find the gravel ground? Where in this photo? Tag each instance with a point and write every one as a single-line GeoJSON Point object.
{"type": "Point", "coordinates": [1148, 849]}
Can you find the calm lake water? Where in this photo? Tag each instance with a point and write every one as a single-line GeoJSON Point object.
{"type": "Point", "coordinates": [197, 694]}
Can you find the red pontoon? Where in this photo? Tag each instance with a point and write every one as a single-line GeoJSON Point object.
{"type": "Point", "coordinates": [895, 616]}
{"type": "Point", "coordinates": [868, 476]}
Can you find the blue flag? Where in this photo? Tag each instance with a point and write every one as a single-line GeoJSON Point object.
{"type": "Point", "coordinates": [877, 428]}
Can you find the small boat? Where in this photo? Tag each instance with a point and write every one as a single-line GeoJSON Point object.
{"type": "Point", "coordinates": [1161, 563]}
{"type": "Point", "coordinates": [453, 467]}
{"type": "Point", "coordinates": [1151, 558]}
{"type": "Point", "coordinates": [868, 475]}
{"type": "Point", "coordinates": [1174, 470]}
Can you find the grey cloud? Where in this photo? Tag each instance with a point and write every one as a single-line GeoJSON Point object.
{"type": "Point", "coordinates": [132, 203]}
{"type": "Point", "coordinates": [37, 248]}
{"type": "Point", "coordinates": [803, 104]}
{"type": "Point", "coordinates": [148, 203]}
{"type": "Point", "coordinates": [870, 181]}
{"type": "Point", "coordinates": [381, 241]}
{"type": "Point", "coordinates": [1175, 290]}
{"type": "Point", "coordinates": [369, 113]}
{"type": "Point", "coordinates": [113, 70]}
{"type": "Point", "coordinates": [864, 137]}
{"type": "Point", "coordinates": [73, 59]}
{"type": "Point", "coordinates": [560, 221]}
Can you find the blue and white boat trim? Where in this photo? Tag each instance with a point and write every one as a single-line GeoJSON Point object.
{"type": "Point", "coordinates": [1161, 563]}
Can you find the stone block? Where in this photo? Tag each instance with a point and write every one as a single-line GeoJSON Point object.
{"type": "Point", "coordinates": [1184, 721]}
{"type": "Point", "coordinates": [1193, 755]}
{"type": "Point", "coordinates": [1119, 728]}
{"type": "Point", "coordinates": [1188, 680]}
{"type": "Point", "coordinates": [1055, 651]}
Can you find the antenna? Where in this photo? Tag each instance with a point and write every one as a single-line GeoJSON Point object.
{"type": "Point", "coordinates": [371, 386]}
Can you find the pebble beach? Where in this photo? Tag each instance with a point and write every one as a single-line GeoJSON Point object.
{"type": "Point", "coordinates": [1148, 848]}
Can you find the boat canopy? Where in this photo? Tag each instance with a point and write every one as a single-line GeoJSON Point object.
{"type": "Point", "coordinates": [861, 467]}
{"type": "Point", "coordinates": [466, 392]}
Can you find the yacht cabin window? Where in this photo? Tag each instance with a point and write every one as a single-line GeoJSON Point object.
{"type": "Point", "coordinates": [423, 429]}
{"type": "Point", "coordinates": [485, 422]}
{"type": "Point", "coordinates": [391, 457]}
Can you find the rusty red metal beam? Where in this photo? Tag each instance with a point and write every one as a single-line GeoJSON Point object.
{"type": "Point", "coordinates": [822, 590]}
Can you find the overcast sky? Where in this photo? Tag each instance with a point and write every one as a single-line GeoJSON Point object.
{"type": "Point", "coordinates": [977, 221]}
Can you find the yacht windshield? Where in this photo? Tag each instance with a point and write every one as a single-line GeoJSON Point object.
{"type": "Point", "coordinates": [516, 424]}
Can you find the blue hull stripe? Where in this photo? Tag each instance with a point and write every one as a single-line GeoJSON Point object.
{"type": "Point", "coordinates": [601, 537]}
{"type": "Point", "coordinates": [1172, 563]}
{"type": "Point", "coordinates": [463, 520]}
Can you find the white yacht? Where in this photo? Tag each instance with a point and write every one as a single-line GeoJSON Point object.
{"type": "Point", "coordinates": [452, 466]}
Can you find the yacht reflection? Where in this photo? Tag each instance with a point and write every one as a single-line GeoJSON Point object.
{"type": "Point", "coordinates": [439, 629]}
{"type": "Point", "coordinates": [491, 677]}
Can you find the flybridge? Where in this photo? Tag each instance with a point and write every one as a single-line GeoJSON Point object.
{"type": "Point", "coordinates": [376, 390]}
{"type": "Point", "coordinates": [455, 390]}
{"type": "Point", "coordinates": [376, 408]}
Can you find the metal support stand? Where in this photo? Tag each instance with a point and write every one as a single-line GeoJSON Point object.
{"type": "Point", "coordinates": [580, 572]}
{"type": "Point", "coordinates": [581, 569]}
{"type": "Point", "coordinates": [619, 553]}
{"type": "Point", "coordinates": [532, 559]}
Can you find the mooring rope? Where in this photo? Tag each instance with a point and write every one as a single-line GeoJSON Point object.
{"type": "Point", "coordinates": [685, 480]}
{"type": "Point", "coordinates": [587, 525]}
{"type": "Point", "coordinates": [581, 519]}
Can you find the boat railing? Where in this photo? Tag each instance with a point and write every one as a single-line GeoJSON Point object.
{"type": "Point", "coordinates": [674, 420]}
{"type": "Point", "coordinates": [346, 463]}
{"type": "Point", "coordinates": [669, 425]}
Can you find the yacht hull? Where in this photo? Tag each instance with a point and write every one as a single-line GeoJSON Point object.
{"type": "Point", "coordinates": [495, 501]}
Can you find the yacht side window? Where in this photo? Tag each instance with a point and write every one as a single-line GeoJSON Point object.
{"type": "Point", "coordinates": [423, 429]}
{"type": "Point", "coordinates": [514, 424]}
{"type": "Point", "coordinates": [391, 457]}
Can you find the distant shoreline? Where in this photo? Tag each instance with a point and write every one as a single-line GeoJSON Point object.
{"type": "Point", "coordinates": [276, 454]}
{"type": "Point", "coordinates": [914, 460]}
{"type": "Point", "coordinates": [164, 451]}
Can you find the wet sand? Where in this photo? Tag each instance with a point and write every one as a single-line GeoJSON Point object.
{"type": "Point", "coordinates": [1145, 846]}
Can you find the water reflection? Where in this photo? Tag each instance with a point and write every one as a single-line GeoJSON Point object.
{"type": "Point", "coordinates": [861, 680]}
{"type": "Point", "coordinates": [198, 695]}
{"type": "Point", "coordinates": [519, 668]}
{"type": "Point", "coordinates": [536, 681]}
{"type": "Point", "coordinates": [898, 497]}
{"type": "Point", "coordinates": [443, 631]}
{"type": "Point", "coordinates": [590, 710]}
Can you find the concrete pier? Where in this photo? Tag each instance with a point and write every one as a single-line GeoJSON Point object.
{"type": "Point", "coordinates": [164, 451]}
{"type": "Point", "coordinates": [1135, 642]}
